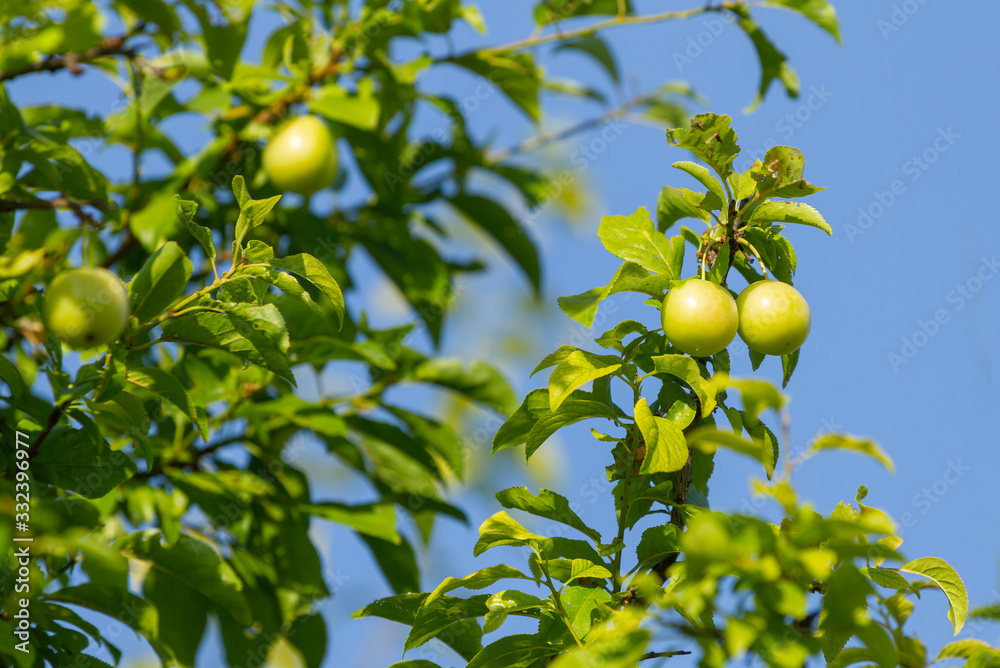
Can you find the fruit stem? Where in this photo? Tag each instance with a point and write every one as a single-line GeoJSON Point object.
{"type": "Point", "coordinates": [747, 244]}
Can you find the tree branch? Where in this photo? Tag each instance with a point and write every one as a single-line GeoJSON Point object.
{"type": "Point", "coordinates": [539, 141]}
{"type": "Point", "coordinates": [111, 46]}
{"type": "Point", "coordinates": [536, 40]}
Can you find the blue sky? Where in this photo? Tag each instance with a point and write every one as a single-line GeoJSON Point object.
{"type": "Point", "coordinates": [905, 296]}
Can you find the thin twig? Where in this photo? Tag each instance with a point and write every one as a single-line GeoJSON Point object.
{"type": "Point", "coordinates": [536, 40]}
{"type": "Point", "coordinates": [110, 46]}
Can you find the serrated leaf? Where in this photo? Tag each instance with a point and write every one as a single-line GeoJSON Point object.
{"type": "Point", "coordinates": [74, 460]}
{"type": "Point", "coordinates": [478, 381]}
{"type": "Point", "coordinates": [580, 603]}
{"type": "Point", "coordinates": [886, 577]}
{"type": "Point", "coordinates": [193, 563]}
{"type": "Point", "coordinates": [159, 282]}
{"type": "Point", "coordinates": [666, 448]}
{"type": "Point", "coordinates": [675, 204]}
{"type": "Point", "coordinates": [635, 239]}
{"type": "Point", "coordinates": [478, 580]}
{"type": "Point", "coordinates": [789, 212]}
{"type": "Point", "coordinates": [457, 616]}
{"type": "Point", "coordinates": [520, 649]}
{"type": "Point", "coordinates": [711, 138]}
{"type": "Point", "coordinates": [657, 543]}
{"type": "Point", "coordinates": [703, 176]}
{"type": "Point", "coordinates": [630, 277]}
{"type": "Point", "coordinates": [314, 271]}
{"type": "Point", "coordinates": [687, 370]}
{"type": "Point", "coordinates": [547, 504]}
{"type": "Point", "coordinates": [820, 12]}
{"type": "Point", "coordinates": [577, 368]}
{"type": "Point", "coordinates": [252, 212]}
{"type": "Point", "coordinates": [254, 333]}
{"type": "Point", "coordinates": [186, 212]}
{"type": "Point", "coordinates": [570, 411]}
{"type": "Point", "coordinates": [167, 386]}
{"type": "Point", "coordinates": [947, 580]}
{"type": "Point", "coordinates": [503, 603]}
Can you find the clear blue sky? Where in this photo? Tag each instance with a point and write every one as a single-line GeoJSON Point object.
{"type": "Point", "coordinates": [895, 124]}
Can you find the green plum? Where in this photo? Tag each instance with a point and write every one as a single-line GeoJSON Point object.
{"type": "Point", "coordinates": [86, 307]}
{"type": "Point", "coordinates": [301, 157]}
{"type": "Point", "coordinates": [699, 317]}
{"type": "Point", "coordinates": [774, 317]}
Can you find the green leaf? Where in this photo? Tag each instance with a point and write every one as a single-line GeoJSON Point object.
{"type": "Point", "coordinates": [657, 543]}
{"type": "Point", "coordinates": [397, 561]}
{"type": "Point", "coordinates": [252, 212]}
{"type": "Point", "coordinates": [186, 212]}
{"type": "Point", "coordinates": [577, 368]}
{"type": "Point", "coordinates": [773, 64]}
{"type": "Point", "coordinates": [635, 239]}
{"type": "Point", "coordinates": [254, 333]}
{"type": "Point", "coordinates": [568, 570]}
{"type": "Point", "coordinates": [182, 612]}
{"type": "Point", "coordinates": [502, 529]}
{"type": "Point", "coordinates": [167, 386]}
{"type": "Point", "coordinates": [947, 580]}
{"type": "Point", "coordinates": [788, 364]}
{"type": "Point", "coordinates": [573, 409]}
{"type": "Point", "coordinates": [514, 73]}
{"type": "Point", "coordinates": [987, 612]}
{"type": "Point", "coordinates": [879, 643]}
{"type": "Point", "coordinates": [704, 177]}
{"type": "Point", "coordinates": [630, 277]}
{"type": "Point", "coordinates": [403, 609]}
{"type": "Point", "coordinates": [711, 138]}
{"type": "Point", "coordinates": [503, 603]}
{"type": "Point", "coordinates": [757, 395]}
{"type": "Point", "coordinates": [478, 580]}
{"type": "Point", "coordinates": [455, 615]}
{"type": "Point", "coordinates": [480, 382]}
{"type": "Point", "coordinates": [553, 11]}
{"type": "Point", "coordinates": [789, 212]}
{"type": "Point", "coordinates": [687, 370]}
{"type": "Point", "coordinates": [622, 648]}
{"type": "Point", "coordinates": [516, 650]}
{"type": "Point", "coordinates": [581, 603]}
{"type": "Point", "coordinates": [596, 48]}
{"type": "Point", "coordinates": [160, 282]}
{"type": "Point", "coordinates": [10, 375]}
{"type": "Point", "coordinates": [314, 271]}
{"type": "Point", "coordinates": [978, 653]}
{"type": "Point", "coordinates": [886, 577]}
{"type": "Point", "coordinates": [335, 104]}
{"type": "Point", "coordinates": [820, 12]}
{"type": "Point", "coordinates": [372, 519]}
{"type": "Point", "coordinates": [708, 439]}
{"type": "Point", "coordinates": [496, 221]}
{"type": "Point", "coordinates": [547, 504]}
{"type": "Point", "coordinates": [223, 39]}
{"type": "Point", "coordinates": [75, 460]}
{"type": "Point", "coordinates": [676, 204]}
{"type": "Point", "coordinates": [515, 430]}
{"type": "Point", "coordinates": [780, 174]}
{"type": "Point", "coordinates": [666, 449]}
{"type": "Point", "coordinates": [843, 442]}
{"type": "Point", "coordinates": [192, 563]}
